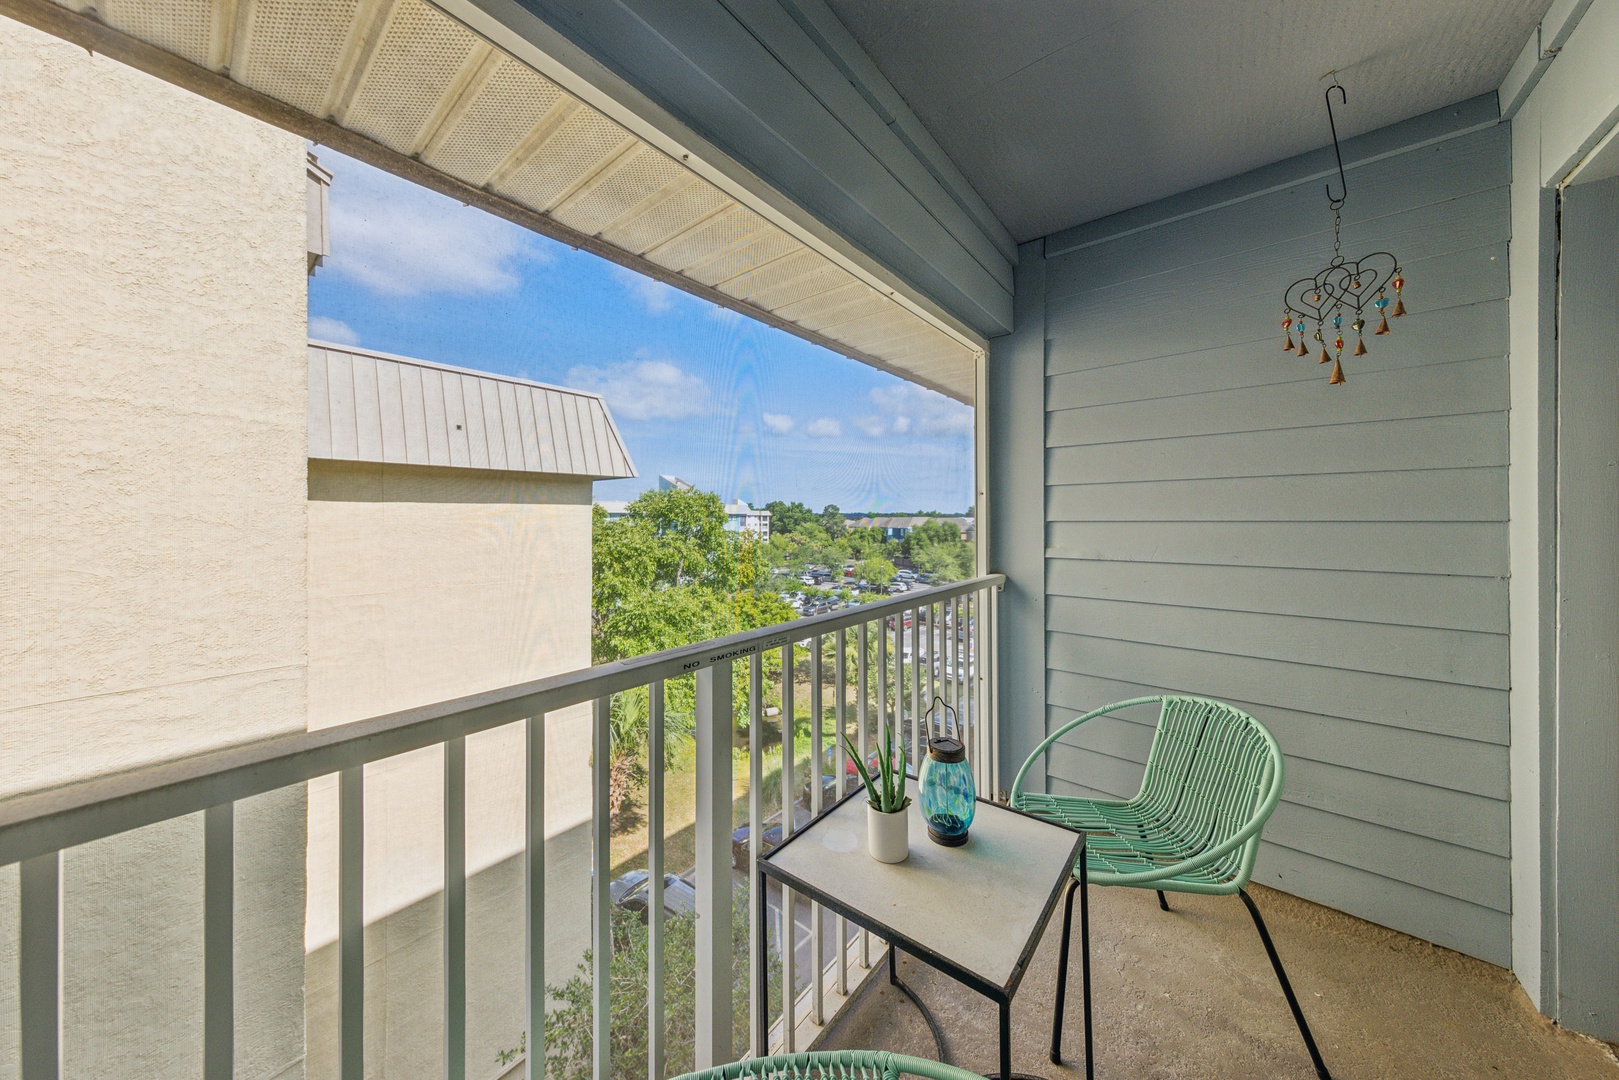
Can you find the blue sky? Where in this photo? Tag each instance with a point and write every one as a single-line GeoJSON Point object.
{"type": "Point", "coordinates": [698, 391]}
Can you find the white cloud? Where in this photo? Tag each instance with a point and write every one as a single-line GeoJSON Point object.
{"type": "Point", "coordinates": [323, 328]}
{"type": "Point", "coordinates": [780, 423]}
{"type": "Point", "coordinates": [653, 295]}
{"type": "Point", "coordinates": [824, 428]}
{"type": "Point", "coordinates": [645, 389]}
{"type": "Point", "coordinates": [397, 238]}
{"type": "Point", "coordinates": [907, 408]}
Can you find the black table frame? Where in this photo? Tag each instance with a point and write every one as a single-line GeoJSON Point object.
{"type": "Point", "coordinates": [1077, 879]}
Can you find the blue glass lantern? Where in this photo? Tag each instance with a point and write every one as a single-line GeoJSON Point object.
{"type": "Point", "coordinates": [947, 795]}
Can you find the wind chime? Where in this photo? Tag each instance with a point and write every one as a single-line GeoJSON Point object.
{"type": "Point", "coordinates": [1343, 288]}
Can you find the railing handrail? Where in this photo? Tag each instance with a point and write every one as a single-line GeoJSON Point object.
{"type": "Point", "coordinates": [38, 822]}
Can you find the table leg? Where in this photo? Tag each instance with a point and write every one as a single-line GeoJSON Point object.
{"type": "Point", "coordinates": [1006, 1040]}
{"type": "Point", "coordinates": [893, 969]}
{"type": "Point", "coordinates": [1062, 976]}
{"type": "Point", "coordinates": [1085, 956]}
{"type": "Point", "coordinates": [763, 915]}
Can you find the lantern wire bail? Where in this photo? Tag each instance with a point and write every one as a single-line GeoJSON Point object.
{"type": "Point", "coordinates": [1336, 202]}
{"type": "Point", "coordinates": [936, 719]}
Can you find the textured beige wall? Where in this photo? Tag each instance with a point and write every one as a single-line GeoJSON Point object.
{"type": "Point", "coordinates": [152, 490]}
{"type": "Point", "coordinates": [426, 584]}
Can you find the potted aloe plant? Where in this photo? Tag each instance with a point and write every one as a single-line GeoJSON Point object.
{"type": "Point", "coordinates": [887, 824]}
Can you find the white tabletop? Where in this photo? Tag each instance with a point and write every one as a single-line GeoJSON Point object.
{"type": "Point", "coordinates": [977, 906]}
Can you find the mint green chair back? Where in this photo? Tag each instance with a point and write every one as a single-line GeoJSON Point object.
{"type": "Point", "coordinates": [833, 1065]}
{"type": "Point", "coordinates": [1213, 777]}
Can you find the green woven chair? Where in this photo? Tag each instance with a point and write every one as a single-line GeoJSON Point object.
{"type": "Point", "coordinates": [833, 1065]}
{"type": "Point", "coordinates": [1214, 775]}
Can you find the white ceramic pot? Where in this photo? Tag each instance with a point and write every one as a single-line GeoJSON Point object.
{"type": "Point", "coordinates": [888, 836]}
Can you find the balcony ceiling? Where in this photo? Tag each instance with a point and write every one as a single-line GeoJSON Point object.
{"type": "Point", "coordinates": [1061, 112]}
{"type": "Point", "coordinates": [403, 85]}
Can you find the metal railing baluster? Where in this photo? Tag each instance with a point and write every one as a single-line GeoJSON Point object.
{"type": "Point", "coordinates": [993, 729]}
{"type": "Point", "coordinates": [862, 678]}
{"type": "Point", "coordinates": [455, 909]}
{"type": "Point", "coordinates": [816, 780]}
{"type": "Point", "coordinates": [716, 719]}
{"type": "Point", "coordinates": [219, 942]}
{"type": "Point", "coordinates": [756, 783]}
{"type": "Point", "coordinates": [654, 869]}
{"type": "Point", "coordinates": [39, 964]}
{"type": "Point", "coordinates": [916, 684]}
{"type": "Point", "coordinates": [534, 894]}
{"type": "Point", "coordinates": [787, 939]}
{"type": "Point", "coordinates": [351, 922]}
{"type": "Point", "coordinates": [601, 902]}
{"type": "Point", "coordinates": [840, 714]}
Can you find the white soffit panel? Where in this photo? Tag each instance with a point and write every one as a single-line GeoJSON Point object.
{"type": "Point", "coordinates": [410, 79]}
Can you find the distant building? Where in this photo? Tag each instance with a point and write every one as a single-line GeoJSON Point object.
{"type": "Point", "coordinates": [897, 528]}
{"type": "Point", "coordinates": [739, 516]}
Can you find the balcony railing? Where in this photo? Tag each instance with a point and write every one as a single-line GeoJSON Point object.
{"type": "Point", "coordinates": [907, 649]}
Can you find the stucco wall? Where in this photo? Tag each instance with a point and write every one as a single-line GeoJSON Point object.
{"type": "Point", "coordinates": [152, 382]}
{"type": "Point", "coordinates": [426, 584]}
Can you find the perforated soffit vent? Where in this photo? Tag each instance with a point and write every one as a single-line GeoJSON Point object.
{"type": "Point", "coordinates": [435, 97]}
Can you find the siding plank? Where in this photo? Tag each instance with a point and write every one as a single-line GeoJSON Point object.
{"type": "Point", "coordinates": [1439, 761]}
{"type": "Point", "coordinates": [1230, 311]}
{"type": "Point", "coordinates": [1466, 712]}
{"type": "Point", "coordinates": [476, 426]}
{"type": "Point", "coordinates": [391, 413]}
{"type": "Point", "coordinates": [1447, 601]}
{"type": "Point", "coordinates": [1444, 442]}
{"type": "Point", "coordinates": [1148, 370]}
{"type": "Point", "coordinates": [1469, 928]}
{"type": "Point", "coordinates": [1457, 656]}
{"type": "Point", "coordinates": [367, 410]}
{"type": "Point", "coordinates": [436, 416]}
{"type": "Point", "coordinates": [414, 413]}
{"type": "Point", "coordinates": [320, 406]}
{"type": "Point", "coordinates": [1410, 547]}
{"type": "Point", "coordinates": [340, 407]}
{"type": "Point", "coordinates": [1418, 495]}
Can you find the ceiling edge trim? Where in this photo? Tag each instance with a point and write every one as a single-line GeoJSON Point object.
{"type": "Point", "coordinates": [96, 37]}
{"type": "Point", "coordinates": [1437, 126]}
{"type": "Point", "coordinates": [530, 39]}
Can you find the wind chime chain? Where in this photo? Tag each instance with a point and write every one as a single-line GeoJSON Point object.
{"type": "Point", "coordinates": [1342, 285]}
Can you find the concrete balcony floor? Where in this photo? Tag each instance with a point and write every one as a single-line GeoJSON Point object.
{"type": "Point", "coordinates": [1190, 994]}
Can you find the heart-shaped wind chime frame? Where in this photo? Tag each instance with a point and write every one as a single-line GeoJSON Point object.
{"type": "Point", "coordinates": [1344, 287]}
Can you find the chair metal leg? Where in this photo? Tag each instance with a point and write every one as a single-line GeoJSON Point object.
{"type": "Point", "coordinates": [1287, 987]}
{"type": "Point", "coordinates": [1062, 976]}
{"type": "Point", "coordinates": [1162, 903]}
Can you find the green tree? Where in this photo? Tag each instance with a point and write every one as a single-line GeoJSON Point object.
{"type": "Point", "coordinates": [833, 521]}
{"type": "Point", "coordinates": [569, 1026]}
{"type": "Point", "coordinates": [692, 545]}
{"type": "Point", "coordinates": [930, 532]}
{"type": "Point", "coordinates": [788, 517]}
{"type": "Point", "coordinates": [876, 571]}
{"type": "Point", "coordinates": [866, 543]}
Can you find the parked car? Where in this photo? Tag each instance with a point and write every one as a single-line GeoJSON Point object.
{"type": "Point", "coordinates": [829, 791]}
{"type": "Point", "coordinates": [630, 891]}
{"type": "Point", "coordinates": [769, 840]}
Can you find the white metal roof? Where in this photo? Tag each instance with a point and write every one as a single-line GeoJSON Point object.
{"type": "Point", "coordinates": [403, 85]}
{"type": "Point", "coordinates": [371, 406]}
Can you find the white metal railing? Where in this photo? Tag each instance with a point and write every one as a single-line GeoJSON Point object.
{"type": "Point", "coordinates": [938, 641]}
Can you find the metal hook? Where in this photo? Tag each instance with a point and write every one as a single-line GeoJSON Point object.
{"type": "Point", "coordinates": [1336, 202]}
